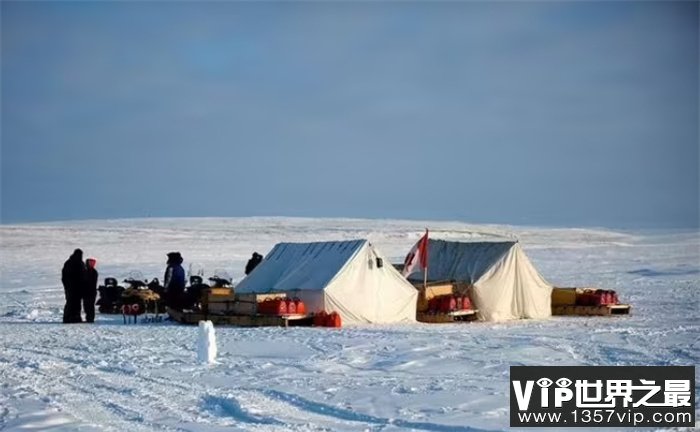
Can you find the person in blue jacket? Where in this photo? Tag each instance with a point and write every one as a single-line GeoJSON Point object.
{"type": "Point", "coordinates": [174, 281]}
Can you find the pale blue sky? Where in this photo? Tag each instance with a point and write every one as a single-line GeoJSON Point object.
{"type": "Point", "coordinates": [545, 113]}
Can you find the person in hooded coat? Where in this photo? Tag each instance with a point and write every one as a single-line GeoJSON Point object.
{"type": "Point", "coordinates": [90, 290]}
{"type": "Point", "coordinates": [253, 262]}
{"type": "Point", "coordinates": [174, 281]}
{"type": "Point", "coordinates": [73, 279]}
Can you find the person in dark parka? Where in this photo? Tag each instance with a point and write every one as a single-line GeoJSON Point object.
{"type": "Point", "coordinates": [174, 281]}
{"type": "Point", "coordinates": [73, 278]}
{"type": "Point", "coordinates": [90, 290]}
{"type": "Point", "coordinates": [253, 262]}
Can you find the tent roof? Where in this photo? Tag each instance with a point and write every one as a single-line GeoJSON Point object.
{"type": "Point", "coordinates": [462, 261]}
{"type": "Point", "coordinates": [303, 266]}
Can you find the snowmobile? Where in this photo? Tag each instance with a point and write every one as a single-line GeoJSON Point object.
{"type": "Point", "coordinates": [192, 297]}
{"type": "Point", "coordinates": [140, 293]}
{"type": "Point", "coordinates": [110, 301]}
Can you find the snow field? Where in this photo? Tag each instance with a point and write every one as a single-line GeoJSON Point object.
{"type": "Point", "coordinates": [111, 376]}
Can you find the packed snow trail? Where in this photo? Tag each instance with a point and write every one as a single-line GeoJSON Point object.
{"type": "Point", "coordinates": [110, 376]}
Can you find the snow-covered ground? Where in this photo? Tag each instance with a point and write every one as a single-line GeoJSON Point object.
{"type": "Point", "coordinates": [111, 376]}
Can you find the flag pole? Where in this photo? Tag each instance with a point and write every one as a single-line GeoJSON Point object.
{"type": "Point", "coordinates": [425, 269]}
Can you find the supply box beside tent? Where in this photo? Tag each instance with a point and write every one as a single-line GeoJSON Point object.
{"type": "Point", "coordinates": [586, 302]}
{"type": "Point", "coordinates": [444, 302]}
{"type": "Point", "coordinates": [222, 305]}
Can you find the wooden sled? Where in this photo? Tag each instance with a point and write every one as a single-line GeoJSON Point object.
{"type": "Point", "coordinates": [186, 317]}
{"type": "Point", "coordinates": [449, 317]}
{"type": "Point", "coordinates": [573, 301]}
{"type": "Point", "coordinates": [603, 310]}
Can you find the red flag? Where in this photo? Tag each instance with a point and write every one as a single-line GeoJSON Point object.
{"type": "Point", "coordinates": [417, 258]}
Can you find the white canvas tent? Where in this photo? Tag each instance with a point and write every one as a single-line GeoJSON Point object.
{"type": "Point", "coordinates": [505, 284]}
{"type": "Point", "coordinates": [348, 277]}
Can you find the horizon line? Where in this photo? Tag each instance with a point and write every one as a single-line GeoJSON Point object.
{"type": "Point", "coordinates": [4, 223]}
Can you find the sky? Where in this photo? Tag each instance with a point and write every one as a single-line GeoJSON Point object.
{"type": "Point", "coordinates": [527, 113]}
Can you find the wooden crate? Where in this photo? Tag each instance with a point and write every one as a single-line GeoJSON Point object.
{"type": "Point", "coordinates": [427, 293]}
{"type": "Point", "coordinates": [219, 294]}
{"type": "Point", "coordinates": [231, 307]}
{"type": "Point", "coordinates": [564, 296]}
{"type": "Point", "coordinates": [438, 290]}
{"type": "Point", "coordinates": [220, 307]}
{"type": "Point", "coordinates": [244, 308]}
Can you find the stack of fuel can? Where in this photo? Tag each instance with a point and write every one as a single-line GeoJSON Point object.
{"type": "Point", "coordinates": [282, 306]}
{"type": "Point", "coordinates": [597, 297]}
{"type": "Point", "coordinates": [449, 303]}
{"type": "Point", "coordinates": [324, 319]}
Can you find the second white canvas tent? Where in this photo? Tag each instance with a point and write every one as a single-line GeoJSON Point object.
{"type": "Point", "coordinates": [348, 277]}
{"type": "Point", "coordinates": [505, 284]}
